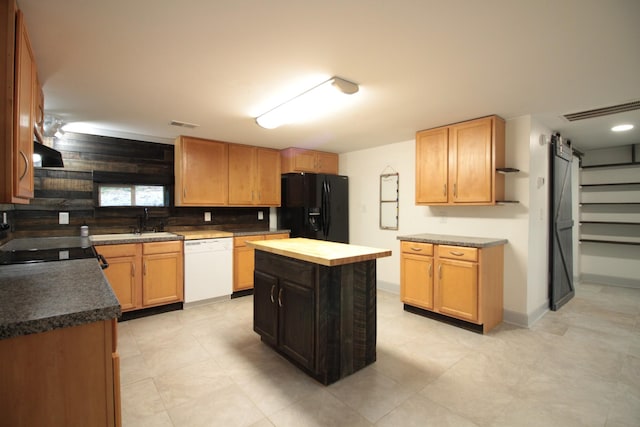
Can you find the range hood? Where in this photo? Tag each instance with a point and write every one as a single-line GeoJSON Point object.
{"type": "Point", "coordinates": [48, 156]}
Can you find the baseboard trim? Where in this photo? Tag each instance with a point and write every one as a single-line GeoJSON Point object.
{"type": "Point", "coordinates": [609, 280]}
{"type": "Point", "coordinates": [390, 287]}
{"type": "Point", "coordinates": [525, 320]}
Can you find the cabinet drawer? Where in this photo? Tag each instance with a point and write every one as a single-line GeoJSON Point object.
{"type": "Point", "coordinates": [300, 272]}
{"type": "Point", "coordinates": [240, 241]}
{"type": "Point", "coordinates": [458, 252]}
{"type": "Point", "coordinates": [161, 247]}
{"type": "Point", "coordinates": [114, 251]}
{"type": "Point", "coordinates": [416, 248]}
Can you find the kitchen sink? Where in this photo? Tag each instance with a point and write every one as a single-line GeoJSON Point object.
{"type": "Point", "coordinates": [133, 236]}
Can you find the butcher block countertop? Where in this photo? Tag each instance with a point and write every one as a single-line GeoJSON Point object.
{"type": "Point", "coordinates": [445, 239]}
{"type": "Point", "coordinates": [319, 251]}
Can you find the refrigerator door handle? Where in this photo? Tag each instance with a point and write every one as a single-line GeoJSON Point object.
{"type": "Point", "coordinates": [327, 209]}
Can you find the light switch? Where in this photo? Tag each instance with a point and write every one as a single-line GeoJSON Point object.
{"type": "Point", "coordinates": [63, 217]}
{"type": "Point", "coordinates": [207, 216]}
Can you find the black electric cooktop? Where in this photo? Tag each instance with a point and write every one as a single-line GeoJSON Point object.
{"type": "Point", "coordinates": [43, 255]}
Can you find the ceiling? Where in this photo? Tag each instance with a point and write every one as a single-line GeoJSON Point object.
{"type": "Point", "coordinates": [127, 68]}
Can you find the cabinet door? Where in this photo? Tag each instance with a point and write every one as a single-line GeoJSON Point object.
{"type": "Point", "coordinates": [201, 172]}
{"type": "Point", "coordinates": [241, 175]}
{"type": "Point", "coordinates": [121, 274]}
{"type": "Point", "coordinates": [416, 280]}
{"type": "Point", "coordinates": [303, 160]}
{"type": "Point", "coordinates": [243, 262]}
{"type": "Point", "coordinates": [457, 289]}
{"type": "Point", "coordinates": [162, 279]}
{"type": "Point", "coordinates": [295, 320]}
{"type": "Point", "coordinates": [265, 307]}
{"type": "Point", "coordinates": [432, 166]}
{"type": "Point", "coordinates": [326, 163]}
{"type": "Point", "coordinates": [470, 162]}
{"type": "Point", "coordinates": [25, 98]}
{"type": "Point", "coordinates": [267, 177]}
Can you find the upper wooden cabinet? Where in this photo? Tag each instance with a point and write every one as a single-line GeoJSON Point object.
{"type": "Point", "coordinates": [18, 110]}
{"type": "Point", "coordinates": [254, 176]}
{"type": "Point", "coordinates": [301, 160]}
{"type": "Point", "coordinates": [201, 174]}
{"type": "Point", "coordinates": [457, 164]}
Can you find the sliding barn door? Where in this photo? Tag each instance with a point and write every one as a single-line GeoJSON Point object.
{"type": "Point", "coordinates": [561, 287]}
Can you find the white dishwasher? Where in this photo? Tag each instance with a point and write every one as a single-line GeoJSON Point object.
{"type": "Point", "coordinates": [208, 268]}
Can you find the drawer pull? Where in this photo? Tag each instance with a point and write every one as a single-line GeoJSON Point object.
{"type": "Point", "coordinates": [280, 298]}
{"type": "Point", "coordinates": [456, 253]}
{"type": "Point", "coordinates": [440, 271]}
{"type": "Point", "coordinates": [444, 190]}
{"type": "Point", "coordinates": [273, 288]}
{"type": "Point", "coordinates": [416, 249]}
{"type": "Point", "coordinates": [430, 269]}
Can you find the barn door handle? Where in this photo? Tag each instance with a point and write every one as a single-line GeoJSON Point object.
{"type": "Point", "coordinates": [280, 297]}
{"type": "Point", "coordinates": [273, 288]}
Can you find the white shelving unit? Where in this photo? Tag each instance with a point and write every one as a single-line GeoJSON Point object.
{"type": "Point", "coordinates": [609, 221]}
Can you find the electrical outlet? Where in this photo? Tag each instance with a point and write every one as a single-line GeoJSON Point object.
{"type": "Point", "coordinates": [63, 217]}
{"type": "Point", "coordinates": [207, 217]}
{"type": "Point", "coordinates": [260, 215]}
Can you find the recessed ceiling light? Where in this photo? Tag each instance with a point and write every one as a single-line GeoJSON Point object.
{"type": "Point", "coordinates": [621, 128]}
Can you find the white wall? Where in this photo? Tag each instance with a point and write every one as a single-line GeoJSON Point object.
{"type": "Point", "coordinates": [523, 294]}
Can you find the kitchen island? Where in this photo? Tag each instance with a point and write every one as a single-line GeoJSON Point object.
{"type": "Point", "coordinates": [315, 303]}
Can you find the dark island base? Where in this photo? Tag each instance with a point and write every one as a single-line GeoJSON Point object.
{"type": "Point", "coordinates": [444, 319]}
{"type": "Point", "coordinates": [322, 319]}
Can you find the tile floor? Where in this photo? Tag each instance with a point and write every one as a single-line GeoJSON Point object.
{"type": "Point", "coordinates": [204, 366]}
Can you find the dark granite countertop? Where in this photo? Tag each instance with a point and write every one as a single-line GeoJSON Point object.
{"type": "Point", "coordinates": [43, 296]}
{"type": "Point", "coordinates": [444, 239]}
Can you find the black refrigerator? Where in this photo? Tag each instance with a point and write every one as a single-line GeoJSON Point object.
{"type": "Point", "coordinates": [315, 206]}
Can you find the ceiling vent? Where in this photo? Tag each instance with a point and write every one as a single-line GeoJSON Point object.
{"type": "Point", "coordinates": [606, 111]}
{"type": "Point", "coordinates": [183, 124]}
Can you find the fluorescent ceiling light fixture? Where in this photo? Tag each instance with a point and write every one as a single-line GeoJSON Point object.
{"type": "Point", "coordinates": [621, 128]}
{"type": "Point", "coordinates": [315, 102]}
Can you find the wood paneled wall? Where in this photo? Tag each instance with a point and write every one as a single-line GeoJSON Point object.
{"type": "Point", "coordinates": [71, 189]}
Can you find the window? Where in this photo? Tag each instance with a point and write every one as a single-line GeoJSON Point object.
{"type": "Point", "coordinates": [132, 195]}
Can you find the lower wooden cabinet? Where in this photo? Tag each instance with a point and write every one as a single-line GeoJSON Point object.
{"type": "Point", "coordinates": [243, 261]}
{"type": "Point", "coordinates": [63, 377]}
{"type": "Point", "coordinates": [416, 274]}
{"type": "Point", "coordinates": [145, 274]}
{"type": "Point", "coordinates": [456, 281]}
